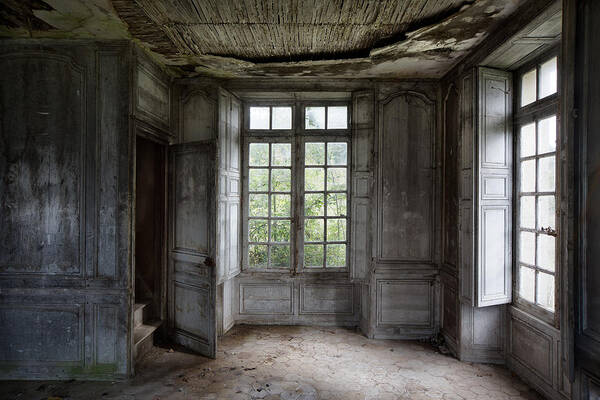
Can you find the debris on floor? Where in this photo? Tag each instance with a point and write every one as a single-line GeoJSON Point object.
{"type": "Point", "coordinates": [261, 362]}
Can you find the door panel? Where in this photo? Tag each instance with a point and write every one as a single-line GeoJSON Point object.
{"type": "Point", "coordinates": [192, 282]}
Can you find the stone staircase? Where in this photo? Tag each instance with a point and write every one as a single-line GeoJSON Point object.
{"type": "Point", "coordinates": [144, 328]}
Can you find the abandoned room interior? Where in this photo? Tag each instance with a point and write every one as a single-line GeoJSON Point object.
{"type": "Point", "coordinates": [300, 199]}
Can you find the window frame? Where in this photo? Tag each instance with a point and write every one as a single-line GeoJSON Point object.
{"type": "Point", "coordinates": [297, 136]}
{"type": "Point", "coordinates": [523, 115]}
{"type": "Point", "coordinates": [301, 192]}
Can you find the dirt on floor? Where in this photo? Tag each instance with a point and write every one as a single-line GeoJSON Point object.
{"type": "Point", "coordinates": [294, 363]}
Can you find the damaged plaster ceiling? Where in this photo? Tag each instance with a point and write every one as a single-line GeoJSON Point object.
{"type": "Point", "coordinates": [275, 38]}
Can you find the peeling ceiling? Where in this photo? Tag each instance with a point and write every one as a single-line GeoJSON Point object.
{"type": "Point", "coordinates": [275, 38]}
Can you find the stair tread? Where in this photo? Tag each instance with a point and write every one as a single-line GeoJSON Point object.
{"type": "Point", "coordinates": [141, 304]}
{"type": "Point", "coordinates": [144, 330]}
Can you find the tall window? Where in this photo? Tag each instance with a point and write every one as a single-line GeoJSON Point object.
{"type": "Point", "coordinates": [297, 187]}
{"type": "Point", "coordinates": [536, 236]}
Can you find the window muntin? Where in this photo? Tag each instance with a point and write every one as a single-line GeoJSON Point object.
{"type": "Point", "coordinates": [270, 118]}
{"type": "Point", "coordinates": [297, 206]}
{"type": "Point", "coordinates": [537, 212]}
{"type": "Point", "coordinates": [536, 234]}
{"type": "Point", "coordinates": [322, 117]}
{"type": "Point", "coordinates": [539, 82]}
{"type": "Point", "coordinates": [270, 205]}
{"type": "Point", "coordinates": [325, 198]}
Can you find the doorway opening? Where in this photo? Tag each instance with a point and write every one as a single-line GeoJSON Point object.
{"type": "Point", "coordinates": [150, 239]}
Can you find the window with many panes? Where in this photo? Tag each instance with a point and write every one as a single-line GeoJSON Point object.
{"type": "Point", "coordinates": [297, 187]}
{"type": "Point", "coordinates": [536, 159]}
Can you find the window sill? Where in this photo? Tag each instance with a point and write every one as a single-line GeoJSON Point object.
{"type": "Point", "coordinates": [537, 312]}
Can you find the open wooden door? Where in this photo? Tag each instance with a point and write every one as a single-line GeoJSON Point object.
{"type": "Point", "coordinates": [192, 278]}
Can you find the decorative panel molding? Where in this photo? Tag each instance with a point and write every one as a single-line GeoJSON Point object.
{"type": "Point", "coordinates": [360, 249]}
{"type": "Point", "coordinates": [266, 298]}
{"type": "Point", "coordinates": [363, 122]}
{"type": "Point", "coordinates": [46, 334]}
{"type": "Point", "coordinates": [494, 278]}
{"type": "Point", "coordinates": [105, 328]}
{"type": "Point", "coordinates": [450, 307]}
{"type": "Point", "coordinates": [42, 193]}
{"type": "Point", "coordinates": [66, 211]}
{"type": "Point", "coordinates": [467, 243]}
{"type": "Point", "coordinates": [532, 348]}
{"type": "Point", "coordinates": [326, 299]}
{"type": "Point", "coordinates": [451, 185]}
{"type": "Point", "coordinates": [493, 283]}
{"type": "Point", "coordinates": [191, 169]}
{"type": "Point", "coordinates": [192, 304]}
{"type": "Point", "coordinates": [198, 117]}
{"type": "Point", "coordinates": [152, 96]}
{"type": "Point", "coordinates": [233, 238]}
{"type": "Point", "coordinates": [234, 135]}
{"type": "Point", "coordinates": [405, 179]}
{"type": "Point", "coordinates": [487, 330]}
{"type": "Point", "coordinates": [112, 123]}
{"type": "Point", "coordinates": [495, 187]}
{"type": "Point", "coordinates": [407, 303]}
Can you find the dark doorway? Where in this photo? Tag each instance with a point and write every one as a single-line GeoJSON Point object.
{"type": "Point", "coordinates": [149, 240]}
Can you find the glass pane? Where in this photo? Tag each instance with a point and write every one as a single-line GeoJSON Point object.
{"type": "Point", "coordinates": [281, 154]}
{"type": "Point", "coordinates": [546, 249]}
{"type": "Point", "coordinates": [336, 179]}
{"type": "Point", "coordinates": [527, 248]}
{"type": "Point", "coordinates": [281, 180]}
{"type": "Point", "coordinates": [314, 230]}
{"type": "Point", "coordinates": [280, 205]}
{"type": "Point", "coordinates": [546, 172]}
{"type": "Point", "coordinates": [336, 255]}
{"type": "Point", "coordinates": [547, 135]}
{"type": "Point", "coordinates": [545, 294]}
{"type": "Point", "coordinates": [314, 153]}
{"type": "Point", "coordinates": [258, 230]}
{"type": "Point", "coordinates": [337, 153]}
{"type": "Point", "coordinates": [257, 255]}
{"type": "Point", "coordinates": [528, 140]}
{"type": "Point", "coordinates": [280, 256]}
{"type": "Point", "coordinates": [337, 117]}
{"type": "Point", "coordinates": [527, 283]}
{"type": "Point", "coordinates": [336, 230]}
{"type": "Point", "coordinates": [313, 255]}
{"type": "Point", "coordinates": [282, 118]}
{"type": "Point", "coordinates": [280, 231]}
{"type": "Point", "coordinates": [548, 78]}
{"type": "Point", "coordinates": [313, 204]}
{"type": "Point", "coordinates": [528, 87]}
{"type": "Point", "coordinates": [258, 205]}
{"type": "Point", "coordinates": [258, 180]}
{"type": "Point", "coordinates": [315, 118]}
{"type": "Point", "coordinates": [336, 204]}
{"type": "Point", "coordinates": [259, 117]}
{"type": "Point", "coordinates": [259, 155]}
{"type": "Point", "coordinates": [314, 179]}
{"type": "Point", "coordinates": [528, 176]}
{"type": "Point", "coordinates": [527, 212]}
{"type": "Point", "coordinates": [546, 212]}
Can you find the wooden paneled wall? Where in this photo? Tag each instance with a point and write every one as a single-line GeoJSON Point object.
{"type": "Point", "coordinates": [65, 209]}
{"type": "Point", "coordinates": [406, 235]}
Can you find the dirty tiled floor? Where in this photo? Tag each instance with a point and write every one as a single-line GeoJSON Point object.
{"type": "Point", "coordinates": [295, 363]}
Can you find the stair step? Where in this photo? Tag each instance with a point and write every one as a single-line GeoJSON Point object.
{"type": "Point", "coordinates": [141, 312]}
{"type": "Point", "coordinates": [144, 330]}
{"type": "Point", "coordinates": [143, 337]}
